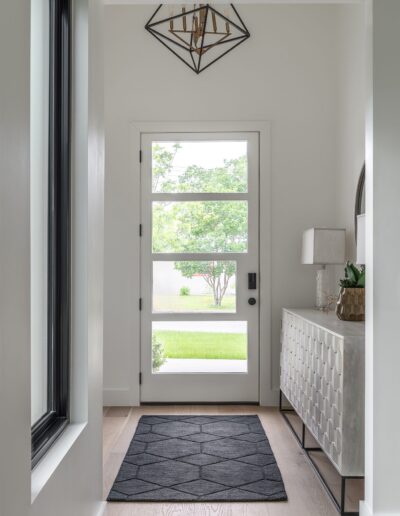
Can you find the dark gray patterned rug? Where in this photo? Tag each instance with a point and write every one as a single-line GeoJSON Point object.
{"type": "Point", "coordinates": [199, 458]}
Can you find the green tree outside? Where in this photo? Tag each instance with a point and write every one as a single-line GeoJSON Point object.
{"type": "Point", "coordinates": [200, 226]}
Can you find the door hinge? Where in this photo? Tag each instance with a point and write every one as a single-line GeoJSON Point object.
{"type": "Point", "coordinates": [140, 378]}
{"type": "Point", "coordinates": [140, 230]}
{"type": "Point", "coordinates": [140, 156]}
{"type": "Point", "coordinates": [140, 303]}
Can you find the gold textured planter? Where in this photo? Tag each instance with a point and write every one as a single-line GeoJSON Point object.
{"type": "Point", "coordinates": [351, 304]}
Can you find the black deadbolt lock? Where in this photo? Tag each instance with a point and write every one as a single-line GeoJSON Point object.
{"type": "Point", "coordinates": [252, 301]}
{"type": "Point", "coordinates": [252, 281]}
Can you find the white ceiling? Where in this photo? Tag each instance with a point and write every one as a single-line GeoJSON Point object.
{"type": "Point", "coordinates": [237, 2]}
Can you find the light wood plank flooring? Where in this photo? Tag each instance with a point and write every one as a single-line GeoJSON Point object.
{"type": "Point", "coordinates": [306, 495]}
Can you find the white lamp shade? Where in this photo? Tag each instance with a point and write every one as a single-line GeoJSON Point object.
{"type": "Point", "coordinates": [361, 239]}
{"type": "Point", "coordinates": [324, 246]}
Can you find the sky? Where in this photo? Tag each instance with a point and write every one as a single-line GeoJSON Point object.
{"type": "Point", "coordinates": [205, 154]}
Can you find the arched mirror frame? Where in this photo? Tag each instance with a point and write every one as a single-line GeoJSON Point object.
{"type": "Point", "coordinates": [360, 199]}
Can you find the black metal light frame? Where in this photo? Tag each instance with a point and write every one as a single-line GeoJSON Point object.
{"type": "Point", "coordinates": [46, 430]}
{"type": "Point", "coordinates": [339, 504]}
{"type": "Point", "coordinates": [151, 26]}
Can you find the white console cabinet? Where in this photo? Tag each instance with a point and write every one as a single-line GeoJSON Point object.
{"type": "Point", "coordinates": [322, 376]}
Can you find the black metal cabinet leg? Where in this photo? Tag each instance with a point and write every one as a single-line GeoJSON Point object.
{"type": "Point", "coordinates": [340, 503]}
{"type": "Point", "coordinates": [343, 495]}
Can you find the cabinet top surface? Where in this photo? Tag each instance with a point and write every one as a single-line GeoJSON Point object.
{"type": "Point", "coordinates": [330, 322]}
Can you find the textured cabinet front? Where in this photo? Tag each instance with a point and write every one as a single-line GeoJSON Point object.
{"type": "Point", "coordinates": [322, 376]}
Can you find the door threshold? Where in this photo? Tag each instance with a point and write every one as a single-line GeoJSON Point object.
{"type": "Point", "coordinates": [254, 403]}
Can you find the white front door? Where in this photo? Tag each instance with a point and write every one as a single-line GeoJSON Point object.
{"type": "Point", "coordinates": [199, 247]}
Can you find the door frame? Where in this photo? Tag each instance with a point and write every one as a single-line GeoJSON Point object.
{"type": "Point", "coordinates": [268, 396]}
{"type": "Point", "coordinates": [207, 386]}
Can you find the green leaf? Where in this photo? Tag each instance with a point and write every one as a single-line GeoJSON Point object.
{"type": "Point", "coordinates": [355, 270]}
{"type": "Point", "coordinates": [353, 277]}
{"type": "Point", "coordinates": [351, 274]}
{"type": "Point", "coordinates": [361, 280]}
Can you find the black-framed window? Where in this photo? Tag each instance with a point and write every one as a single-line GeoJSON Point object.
{"type": "Point", "coordinates": [55, 415]}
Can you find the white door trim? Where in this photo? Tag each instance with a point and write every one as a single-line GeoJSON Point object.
{"type": "Point", "coordinates": [268, 396]}
{"type": "Point", "coordinates": [208, 386]}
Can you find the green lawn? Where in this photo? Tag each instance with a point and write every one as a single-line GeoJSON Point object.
{"type": "Point", "coordinates": [193, 304]}
{"type": "Point", "coordinates": [188, 344]}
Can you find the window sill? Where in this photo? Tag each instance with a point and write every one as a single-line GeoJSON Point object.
{"type": "Point", "coordinates": [53, 458]}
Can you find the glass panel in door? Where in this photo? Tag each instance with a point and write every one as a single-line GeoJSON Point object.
{"type": "Point", "coordinates": [194, 286]}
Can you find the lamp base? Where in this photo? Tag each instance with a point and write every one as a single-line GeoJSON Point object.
{"type": "Point", "coordinates": [322, 289]}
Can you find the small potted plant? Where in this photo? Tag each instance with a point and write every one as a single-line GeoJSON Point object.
{"type": "Point", "coordinates": [351, 302]}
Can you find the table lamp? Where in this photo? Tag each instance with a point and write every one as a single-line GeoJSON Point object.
{"type": "Point", "coordinates": [323, 246]}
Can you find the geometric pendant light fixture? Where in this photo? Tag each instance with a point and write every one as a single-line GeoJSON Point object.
{"type": "Point", "coordinates": [198, 34]}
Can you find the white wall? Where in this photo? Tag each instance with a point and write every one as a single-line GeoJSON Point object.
{"type": "Point", "coordinates": [288, 72]}
{"type": "Point", "coordinates": [14, 259]}
{"type": "Point", "coordinates": [71, 483]}
{"type": "Point", "coordinates": [382, 460]}
{"type": "Point", "coordinates": [352, 93]}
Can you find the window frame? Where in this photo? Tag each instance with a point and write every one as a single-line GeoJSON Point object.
{"type": "Point", "coordinates": [48, 428]}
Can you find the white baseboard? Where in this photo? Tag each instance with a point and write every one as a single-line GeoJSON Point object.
{"type": "Point", "coordinates": [120, 398]}
{"type": "Point", "coordinates": [102, 509]}
{"type": "Point", "coordinates": [126, 398]}
{"type": "Point", "coordinates": [365, 509]}
{"type": "Point", "coordinates": [270, 398]}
